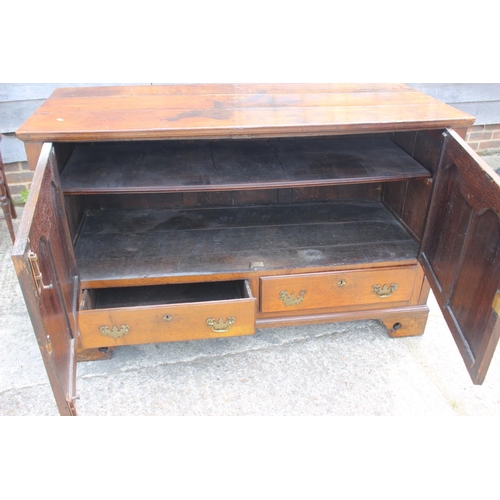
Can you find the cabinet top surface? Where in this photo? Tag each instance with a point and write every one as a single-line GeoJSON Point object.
{"type": "Point", "coordinates": [234, 110]}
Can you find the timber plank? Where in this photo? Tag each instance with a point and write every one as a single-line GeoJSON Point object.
{"type": "Point", "coordinates": [171, 166]}
{"type": "Point", "coordinates": [146, 244]}
{"type": "Point", "coordinates": [265, 110]}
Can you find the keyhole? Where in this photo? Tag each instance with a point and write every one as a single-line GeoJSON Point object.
{"type": "Point", "coordinates": [341, 283]}
{"type": "Point", "coordinates": [167, 317]}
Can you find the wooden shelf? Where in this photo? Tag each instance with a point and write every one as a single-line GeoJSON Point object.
{"type": "Point", "coordinates": [227, 165]}
{"type": "Point", "coordinates": [135, 247]}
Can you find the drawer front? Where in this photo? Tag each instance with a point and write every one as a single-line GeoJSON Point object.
{"type": "Point", "coordinates": [168, 323]}
{"type": "Point", "coordinates": [337, 289]}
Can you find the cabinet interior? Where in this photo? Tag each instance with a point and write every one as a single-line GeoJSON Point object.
{"type": "Point", "coordinates": [151, 210]}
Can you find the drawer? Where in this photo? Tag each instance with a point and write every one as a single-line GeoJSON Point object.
{"type": "Point", "coordinates": [338, 289]}
{"type": "Point", "coordinates": [166, 313]}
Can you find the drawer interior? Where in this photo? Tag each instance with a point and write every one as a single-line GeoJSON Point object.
{"type": "Point", "coordinates": [166, 313]}
{"type": "Point", "coordinates": [110, 298]}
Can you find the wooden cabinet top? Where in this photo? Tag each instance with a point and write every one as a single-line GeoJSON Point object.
{"type": "Point", "coordinates": [234, 110]}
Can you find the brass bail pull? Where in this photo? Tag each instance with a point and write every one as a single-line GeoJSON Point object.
{"type": "Point", "coordinates": [289, 299]}
{"type": "Point", "coordinates": [114, 332]}
{"type": "Point", "coordinates": [37, 275]}
{"type": "Point", "coordinates": [385, 290]}
{"type": "Point", "coordinates": [221, 326]}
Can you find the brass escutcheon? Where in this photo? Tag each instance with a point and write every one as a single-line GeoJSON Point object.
{"type": "Point", "coordinates": [221, 326]}
{"type": "Point", "coordinates": [341, 282]}
{"type": "Point", "coordinates": [167, 317]}
{"type": "Point", "coordinates": [289, 299]}
{"type": "Point", "coordinates": [385, 290]}
{"type": "Point", "coordinates": [114, 333]}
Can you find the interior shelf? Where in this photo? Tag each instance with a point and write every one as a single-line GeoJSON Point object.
{"type": "Point", "coordinates": [129, 247]}
{"type": "Point", "coordinates": [224, 165]}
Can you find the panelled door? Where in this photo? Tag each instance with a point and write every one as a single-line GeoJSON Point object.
{"type": "Point", "coordinates": [460, 251]}
{"type": "Point", "coordinates": [46, 268]}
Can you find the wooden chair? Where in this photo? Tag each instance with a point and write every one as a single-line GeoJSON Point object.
{"type": "Point", "coordinates": [6, 201]}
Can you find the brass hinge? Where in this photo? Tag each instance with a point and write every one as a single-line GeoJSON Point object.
{"type": "Point", "coordinates": [496, 303]}
{"type": "Point", "coordinates": [37, 275]}
{"type": "Point", "coordinates": [71, 407]}
{"type": "Point", "coordinates": [48, 346]}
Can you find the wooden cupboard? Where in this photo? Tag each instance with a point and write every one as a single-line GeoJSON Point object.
{"type": "Point", "coordinates": [181, 212]}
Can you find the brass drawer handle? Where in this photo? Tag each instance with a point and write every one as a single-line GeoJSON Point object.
{"type": "Point", "coordinates": [289, 298]}
{"type": "Point", "coordinates": [385, 290]}
{"type": "Point", "coordinates": [35, 270]}
{"type": "Point", "coordinates": [115, 332]}
{"type": "Point", "coordinates": [221, 326]}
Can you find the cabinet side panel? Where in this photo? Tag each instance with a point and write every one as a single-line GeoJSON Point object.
{"type": "Point", "coordinates": [409, 200]}
{"type": "Point", "coordinates": [405, 140]}
{"type": "Point", "coordinates": [427, 151]}
{"type": "Point", "coordinates": [63, 152]}
{"type": "Point", "coordinates": [394, 194]}
{"type": "Point", "coordinates": [75, 211]}
{"type": "Point", "coordinates": [415, 206]}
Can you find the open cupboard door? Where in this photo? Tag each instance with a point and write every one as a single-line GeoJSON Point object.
{"type": "Point", "coordinates": [460, 251]}
{"type": "Point", "coordinates": [46, 268]}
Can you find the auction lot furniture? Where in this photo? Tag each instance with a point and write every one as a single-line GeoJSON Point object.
{"type": "Point", "coordinates": [180, 212]}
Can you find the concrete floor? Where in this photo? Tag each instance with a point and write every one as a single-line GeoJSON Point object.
{"type": "Point", "coordinates": [335, 369]}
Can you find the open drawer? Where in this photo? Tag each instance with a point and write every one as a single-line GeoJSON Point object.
{"type": "Point", "coordinates": [166, 313]}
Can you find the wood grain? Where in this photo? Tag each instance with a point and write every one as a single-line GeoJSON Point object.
{"type": "Point", "coordinates": [33, 150]}
{"type": "Point", "coordinates": [388, 316]}
{"type": "Point", "coordinates": [265, 110]}
{"type": "Point", "coordinates": [337, 289]}
{"type": "Point", "coordinates": [53, 310]}
{"type": "Point", "coordinates": [461, 251]}
{"type": "Point", "coordinates": [172, 166]}
{"type": "Point", "coordinates": [186, 320]}
{"type": "Point", "coordinates": [125, 245]}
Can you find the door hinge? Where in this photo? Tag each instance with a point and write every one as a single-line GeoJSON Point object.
{"type": "Point", "coordinates": [496, 303]}
{"type": "Point", "coordinates": [48, 346]}
{"type": "Point", "coordinates": [37, 275]}
{"type": "Point", "coordinates": [71, 407]}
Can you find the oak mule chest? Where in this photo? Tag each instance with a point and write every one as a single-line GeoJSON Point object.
{"type": "Point", "coordinates": [180, 212]}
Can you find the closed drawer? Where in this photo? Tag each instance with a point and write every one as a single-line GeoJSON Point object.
{"type": "Point", "coordinates": [140, 315]}
{"type": "Point", "coordinates": [337, 289]}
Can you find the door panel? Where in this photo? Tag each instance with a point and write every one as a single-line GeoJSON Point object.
{"type": "Point", "coordinates": [461, 251]}
{"type": "Point", "coordinates": [46, 268]}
